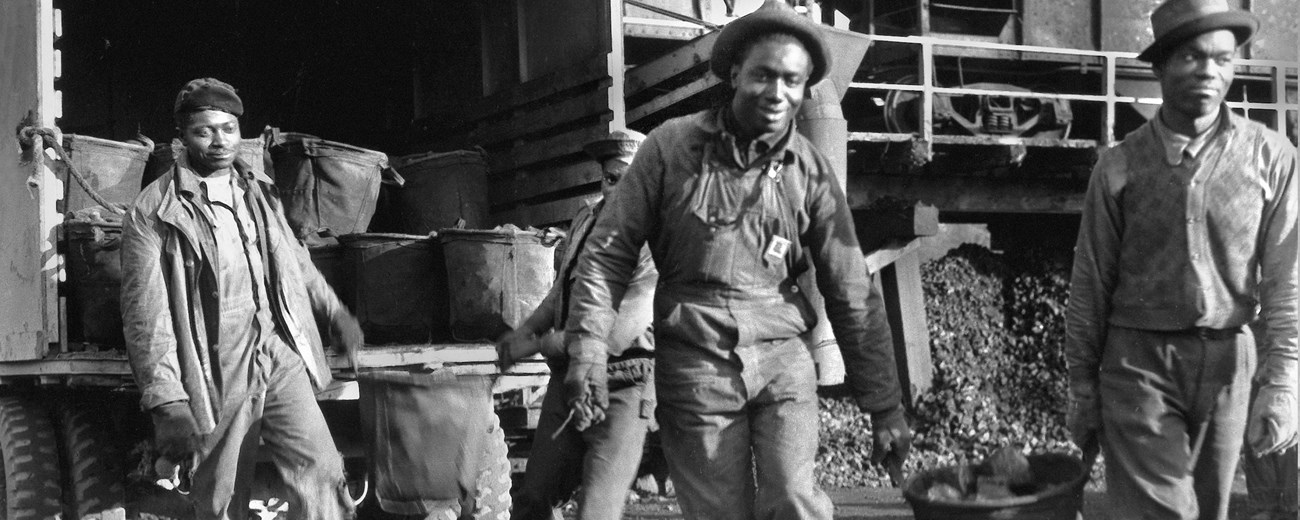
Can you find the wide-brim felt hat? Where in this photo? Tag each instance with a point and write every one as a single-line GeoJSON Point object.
{"type": "Point", "coordinates": [772, 16]}
{"type": "Point", "coordinates": [1176, 21]}
{"type": "Point", "coordinates": [619, 143]}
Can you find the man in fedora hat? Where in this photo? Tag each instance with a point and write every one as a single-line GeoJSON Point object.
{"type": "Point", "coordinates": [600, 459]}
{"type": "Point", "coordinates": [1188, 233]}
{"type": "Point", "coordinates": [220, 305]}
{"type": "Point", "coordinates": [734, 205]}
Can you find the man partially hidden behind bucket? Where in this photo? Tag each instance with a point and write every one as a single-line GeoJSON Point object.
{"type": "Point", "coordinates": [1188, 231]}
{"type": "Point", "coordinates": [220, 304]}
{"type": "Point", "coordinates": [734, 205]}
{"type": "Point", "coordinates": [600, 460]}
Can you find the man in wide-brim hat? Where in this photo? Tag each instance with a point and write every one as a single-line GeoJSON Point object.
{"type": "Point", "coordinates": [735, 205]}
{"type": "Point", "coordinates": [1188, 234]}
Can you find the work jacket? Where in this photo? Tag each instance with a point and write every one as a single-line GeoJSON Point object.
{"type": "Point", "coordinates": [728, 236]}
{"type": "Point", "coordinates": [170, 297]}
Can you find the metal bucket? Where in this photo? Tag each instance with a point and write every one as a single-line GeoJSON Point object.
{"type": "Point", "coordinates": [398, 290]}
{"type": "Point", "coordinates": [1063, 477]}
{"type": "Point", "coordinates": [440, 189]}
{"type": "Point", "coordinates": [113, 169]}
{"type": "Point", "coordinates": [94, 282]}
{"type": "Point", "coordinates": [328, 188]}
{"type": "Point", "coordinates": [495, 278]}
{"type": "Point", "coordinates": [424, 434]}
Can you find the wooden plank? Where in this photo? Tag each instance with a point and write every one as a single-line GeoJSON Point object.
{"type": "Point", "coordinates": [544, 149]}
{"type": "Point", "coordinates": [670, 65]}
{"type": "Point", "coordinates": [29, 321]}
{"type": "Point", "coordinates": [527, 122]}
{"type": "Point", "coordinates": [519, 185]}
{"type": "Point", "coordinates": [452, 117]}
{"type": "Point", "coordinates": [905, 307]}
{"type": "Point", "coordinates": [672, 98]}
{"type": "Point", "coordinates": [544, 214]}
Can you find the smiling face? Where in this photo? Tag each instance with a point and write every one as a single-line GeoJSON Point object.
{"type": "Point", "coordinates": [211, 140]}
{"type": "Point", "coordinates": [769, 81]}
{"type": "Point", "coordinates": [1194, 77]}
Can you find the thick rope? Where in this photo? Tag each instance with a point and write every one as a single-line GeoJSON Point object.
{"type": "Point", "coordinates": [51, 140]}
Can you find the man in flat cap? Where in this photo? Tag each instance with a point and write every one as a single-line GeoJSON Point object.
{"type": "Point", "coordinates": [1188, 233]}
{"type": "Point", "coordinates": [598, 458]}
{"type": "Point", "coordinates": [729, 200]}
{"type": "Point", "coordinates": [220, 305]}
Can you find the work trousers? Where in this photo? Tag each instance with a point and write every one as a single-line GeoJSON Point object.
{"type": "Point", "coordinates": [736, 452]}
{"type": "Point", "coordinates": [600, 462]}
{"type": "Point", "coordinates": [1174, 408]}
{"type": "Point", "coordinates": [267, 395]}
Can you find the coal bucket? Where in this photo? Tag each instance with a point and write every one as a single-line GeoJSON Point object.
{"type": "Point", "coordinates": [495, 278]}
{"type": "Point", "coordinates": [1061, 476]}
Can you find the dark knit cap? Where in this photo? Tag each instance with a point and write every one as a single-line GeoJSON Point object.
{"type": "Point", "coordinates": [208, 94]}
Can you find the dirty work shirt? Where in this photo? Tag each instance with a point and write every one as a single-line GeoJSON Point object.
{"type": "Point", "coordinates": [726, 279]}
{"type": "Point", "coordinates": [1204, 243]}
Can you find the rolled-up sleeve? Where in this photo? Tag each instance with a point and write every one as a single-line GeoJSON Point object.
{"type": "Point", "coordinates": [146, 314]}
{"type": "Point", "coordinates": [612, 253]}
{"type": "Point", "coordinates": [854, 306]}
{"type": "Point", "coordinates": [1095, 272]}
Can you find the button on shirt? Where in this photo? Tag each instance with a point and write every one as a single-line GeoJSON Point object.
{"type": "Point", "coordinates": [710, 215]}
{"type": "Point", "coordinates": [1201, 243]}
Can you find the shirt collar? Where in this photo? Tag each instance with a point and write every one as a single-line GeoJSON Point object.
{"type": "Point", "coordinates": [777, 144]}
{"type": "Point", "coordinates": [188, 181]}
{"type": "Point", "coordinates": [1176, 144]}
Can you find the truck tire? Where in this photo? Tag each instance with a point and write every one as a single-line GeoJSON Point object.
{"type": "Point", "coordinates": [93, 462]}
{"type": "Point", "coordinates": [492, 498]}
{"type": "Point", "coordinates": [31, 461]}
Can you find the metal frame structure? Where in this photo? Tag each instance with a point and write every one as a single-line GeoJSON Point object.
{"type": "Point", "coordinates": [1283, 74]}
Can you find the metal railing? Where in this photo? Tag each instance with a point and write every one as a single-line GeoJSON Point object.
{"type": "Point", "coordinates": [1283, 73]}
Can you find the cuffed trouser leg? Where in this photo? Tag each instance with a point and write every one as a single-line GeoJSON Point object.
{"type": "Point", "coordinates": [553, 463]}
{"type": "Point", "coordinates": [784, 430]}
{"type": "Point", "coordinates": [1157, 391]}
{"type": "Point", "coordinates": [299, 442]}
{"type": "Point", "coordinates": [713, 436]}
{"type": "Point", "coordinates": [613, 455]}
{"type": "Point", "coordinates": [603, 459]}
{"type": "Point", "coordinates": [220, 483]}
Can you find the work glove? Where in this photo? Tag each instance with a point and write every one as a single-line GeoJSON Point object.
{"type": "Point", "coordinates": [1083, 419]}
{"type": "Point", "coordinates": [176, 434]}
{"type": "Point", "coordinates": [512, 346]}
{"type": "Point", "coordinates": [586, 385]}
{"type": "Point", "coordinates": [1271, 427]}
{"type": "Point", "coordinates": [345, 332]}
{"type": "Point", "coordinates": [891, 440]}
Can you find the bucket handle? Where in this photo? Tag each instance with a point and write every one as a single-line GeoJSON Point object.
{"type": "Point", "coordinates": [390, 177]}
